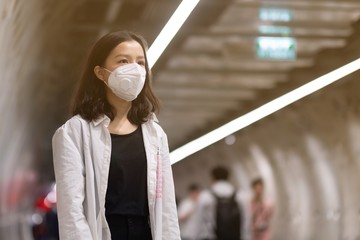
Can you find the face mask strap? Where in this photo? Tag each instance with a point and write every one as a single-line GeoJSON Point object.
{"type": "Point", "coordinates": [106, 69]}
{"type": "Point", "coordinates": [127, 73]}
{"type": "Point", "coordinates": [104, 79]}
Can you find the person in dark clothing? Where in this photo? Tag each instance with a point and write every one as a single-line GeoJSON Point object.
{"type": "Point", "coordinates": [224, 219]}
{"type": "Point", "coordinates": [52, 224]}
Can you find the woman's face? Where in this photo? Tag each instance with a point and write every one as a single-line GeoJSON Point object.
{"type": "Point", "coordinates": [124, 53]}
{"type": "Point", "coordinates": [258, 189]}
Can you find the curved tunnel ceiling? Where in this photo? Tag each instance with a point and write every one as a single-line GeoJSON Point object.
{"type": "Point", "coordinates": [209, 73]}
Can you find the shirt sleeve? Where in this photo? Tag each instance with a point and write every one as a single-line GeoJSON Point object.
{"type": "Point", "coordinates": [70, 182]}
{"type": "Point", "coordinates": [169, 215]}
{"type": "Point", "coordinates": [185, 209]}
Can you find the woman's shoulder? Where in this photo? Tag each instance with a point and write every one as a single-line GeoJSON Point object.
{"type": "Point", "coordinates": [269, 203]}
{"type": "Point", "coordinates": [74, 124]}
{"type": "Point", "coordinates": [159, 129]}
{"type": "Point", "coordinates": [153, 122]}
{"type": "Point", "coordinates": [75, 120]}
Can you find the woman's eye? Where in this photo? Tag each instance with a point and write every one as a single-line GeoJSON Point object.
{"type": "Point", "coordinates": [123, 61]}
{"type": "Point", "coordinates": [141, 63]}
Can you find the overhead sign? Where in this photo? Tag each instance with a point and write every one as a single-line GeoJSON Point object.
{"type": "Point", "coordinates": [275, 14]}
{"type": "Point", "coordinates": [276, 48]}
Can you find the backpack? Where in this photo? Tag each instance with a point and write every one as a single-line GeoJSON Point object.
{"type": "Point", "coordinates": [227, 218]}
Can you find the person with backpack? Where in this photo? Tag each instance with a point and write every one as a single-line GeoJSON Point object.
{"type": "Point", "coordinates": [221, 210]}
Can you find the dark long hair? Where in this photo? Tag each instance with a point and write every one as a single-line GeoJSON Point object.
{"type": "Point", "coordinates": [90, 99]}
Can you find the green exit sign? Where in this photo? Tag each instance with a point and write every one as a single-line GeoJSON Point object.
{"type": "Point", "coordinates": [276, 48]}
{"type": "Point", "coordinates": [275, 14]}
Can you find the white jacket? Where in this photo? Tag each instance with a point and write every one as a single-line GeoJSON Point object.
{"type": "Point", "coordinates": [81, 152]}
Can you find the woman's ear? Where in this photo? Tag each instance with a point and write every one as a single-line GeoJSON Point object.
{"type": "Point", "coordinates": [99, 72]}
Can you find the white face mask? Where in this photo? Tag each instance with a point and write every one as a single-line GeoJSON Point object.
{"type": "Point", "coordinates": [127, 81]}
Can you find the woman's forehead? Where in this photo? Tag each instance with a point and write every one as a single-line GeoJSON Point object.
{"type": "Point", "coordinates": [128, 49]}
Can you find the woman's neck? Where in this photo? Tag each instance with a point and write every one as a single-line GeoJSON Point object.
{"type": "Point", "coordinates": [258, 198]}
{"type": "Point", "coordinates": [120, 124]}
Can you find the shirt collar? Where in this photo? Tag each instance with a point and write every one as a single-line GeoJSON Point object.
{"type": "Point", "coordinates": [101, 119]}
{"type": "Point", "coordinates": [106, 119]}
{"type": "Point", "coordinates": [153, 117]}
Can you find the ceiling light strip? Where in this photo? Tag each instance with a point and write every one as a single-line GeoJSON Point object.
{"type": "Point", "coordinates": [170, 29]}
{"type": "Point", "coordinates": [263, 111]}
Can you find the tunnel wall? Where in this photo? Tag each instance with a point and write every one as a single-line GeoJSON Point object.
{"type": "Point", "coordinates": [27, 30]}
{"type": "Point", "coordinates": [19, 46]}
{"type": "Point", "coordinates": [307, 153]}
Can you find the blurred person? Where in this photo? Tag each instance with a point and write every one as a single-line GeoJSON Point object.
{"type": "Point", "coordinates": [221, 209]}
{"type": "Point", "coordinates": [261, 212]}
{"type": "Point", "coordinates": [111, 159]}
{"type": "Point", "coordinates": [187, 212]}
{"type": "Point", "coordinates": [39, 227]}
{"type": "Point", "coordinates": [52, 224]}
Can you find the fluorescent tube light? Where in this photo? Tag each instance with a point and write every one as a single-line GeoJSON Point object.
{"type": "Point", "coordinates": [170, 29]}
{"type": "Point", "coordinates": [263, 111]}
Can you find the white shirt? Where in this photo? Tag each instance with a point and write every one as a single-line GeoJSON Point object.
{"type": "Point", "coordinates": [189, 227]}
{"type": "Point", "coordinates": [81, 152]}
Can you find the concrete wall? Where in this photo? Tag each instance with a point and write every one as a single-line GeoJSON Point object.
{"type": "Point", "coordinates": [308, 154]}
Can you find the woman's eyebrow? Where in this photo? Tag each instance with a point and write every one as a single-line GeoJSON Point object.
{"type": "Point", "coordinates": [122, 55]}
{"type": "Point", "coordinates": [128, 56]}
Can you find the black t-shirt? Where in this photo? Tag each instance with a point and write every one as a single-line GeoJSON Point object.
{"type": "Point", "coordinates": [127, 184]}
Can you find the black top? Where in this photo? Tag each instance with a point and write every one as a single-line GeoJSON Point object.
{"type": "Point", "coordinates": [127, 184]}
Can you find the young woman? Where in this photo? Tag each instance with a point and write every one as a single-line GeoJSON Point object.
{"type": "Point", "coordinates": [261, 212]}
{"type": "Point", "coordinates": [111, 159]}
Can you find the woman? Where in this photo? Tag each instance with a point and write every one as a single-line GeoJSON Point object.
{"type": "Point", "coordinates": [261, 212]}
{"type": "Point", "coordinates": [111, 159]}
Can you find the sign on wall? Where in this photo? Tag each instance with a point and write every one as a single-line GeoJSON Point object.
{"type": "Point", "coordinates": [276, 48]}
